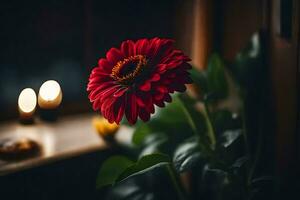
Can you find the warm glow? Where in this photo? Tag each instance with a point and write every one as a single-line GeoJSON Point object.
{"type": "Point", "coordinates": [103, 127]}
{"type": "Point", "coordinates": [27, 100]}
{"type": "Point", "coordinates": [49, 90]}
{"type": "Point", "coordinates": [50, 95]}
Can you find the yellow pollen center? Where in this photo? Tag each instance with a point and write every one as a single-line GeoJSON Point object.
{"type": "Point", "coordinates": [127, 70]}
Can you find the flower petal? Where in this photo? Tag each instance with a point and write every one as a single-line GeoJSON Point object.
{"type": "Point", "coordinates": [146, 86]}
{"type": "Point", "coordinates": [144, 115]}
{"type": "Point", "coordinates": [141, 47]}
{"type": "Point", "coordinates": [119, 109]}
{"type": "Point", "coordinates": [120, 92]}
{"type": "Point", "coordinates": [155, 77]}
{"type": "Point", "coordinates": [137, 98]}
{"type": "Point", "coordinates": [114, 55]}
{"type": "Point", "coordinates": [131, 110]}
{"type": "Point", "coordinates": [127, 48]}
{"type": "Point", "coordinates": [105, 65]}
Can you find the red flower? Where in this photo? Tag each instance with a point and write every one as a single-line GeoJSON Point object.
{"type": "Point", "coordinates": [136, 77]}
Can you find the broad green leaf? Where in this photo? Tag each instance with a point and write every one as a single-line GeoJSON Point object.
{"type": "Point", "coordinates": [169, 120]}
{"type": "Point", "coordinates": [172, 113]}
{"type": "Point", "coordinates": [194, 117]}
{"type": "Point", "coordinates": [187, 155]}
{"type": "Point", "coordinates": [217, 84]}
{"type": "Point", "coordinates": [196, 120]}
{"type": "Point", "coordinates": [262, 180]}
{"type": "Point", "coordinates": [162, 121]}
{"type": "Point", "coordinates": [239, 168]}
{"type": "Point", "coordinates": [200, 79]}
{"type": "Point", "coordinates": [240, 162]}
{"type": "Point", "coordinates": [128, 191]}
{"type": "Point", "coordinates": [123, 191]}
{"type": "Point", "coordinates": [140, 133]}
{"type": "Point", "coordinates": [144, 164]}
{"type": "Point", "coordinates": [220, 184]}
{"type": "Point", "coordinates": [152, 143]}
{"type": "Point", "coordinates": [230, 136]}
{"type": "Point", "coordinates": [262, 186]}
{"type": "Point", "coordinates": [155, 184]}
{"type": "Point", "coordinates": [211, 174]}
{"type": "Point", "coordinates": [225, 120]}
{"type": "Point", "coordinates": [230, 146]}
{"type": "Point", "coordinates": [111, 169]}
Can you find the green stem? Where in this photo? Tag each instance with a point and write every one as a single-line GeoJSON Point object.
{"type": "Point", "coordinates": [210, 129]}
{"type": "Point", "coordinates": [193, 125]}
{"type": "Point", "coordinates": [176, 182]}
{"type": "Point", "coordinates": [189, 118]}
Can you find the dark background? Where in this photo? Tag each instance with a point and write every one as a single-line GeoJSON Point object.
{"type": "Point", "coordinates": [63, 40]}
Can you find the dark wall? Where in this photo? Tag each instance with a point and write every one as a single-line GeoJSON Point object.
{"type": "Point", "coordinates": [62, 40]}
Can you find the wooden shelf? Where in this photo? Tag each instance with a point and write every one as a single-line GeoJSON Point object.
{"type": "Point", "coordinates": [68, 137]}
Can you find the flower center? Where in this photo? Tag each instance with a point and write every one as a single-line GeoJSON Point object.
{"type": "Point", "coordinates": [126, 71]}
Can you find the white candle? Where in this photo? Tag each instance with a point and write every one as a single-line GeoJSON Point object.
{"type": "Point", "coordinates": [27, 103]}
{"type": "Point", "coordinates": [50, 95]}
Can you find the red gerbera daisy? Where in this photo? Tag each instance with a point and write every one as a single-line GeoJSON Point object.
{"type": "Point", "coordinates": [136, 77]}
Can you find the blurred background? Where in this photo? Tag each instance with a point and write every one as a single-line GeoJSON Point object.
{"type": "Point", "coordinates": [63, 40]}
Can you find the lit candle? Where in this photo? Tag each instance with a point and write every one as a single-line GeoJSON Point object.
{"type": "Point", "coordinates": [49, 99]}
{"type": "Point", "coordinates": [27, 105]}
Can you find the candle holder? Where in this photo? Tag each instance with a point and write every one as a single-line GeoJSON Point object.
{"type": "Point", "coordinates": [49, 100]}
{"type": "Point", "coordinates": [50, 115]}
{"type": "Point", "coordinates": [26, 106]}
{"type": "Point", "coordinates": [28, 121]}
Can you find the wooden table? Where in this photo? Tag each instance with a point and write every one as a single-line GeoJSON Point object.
{"type": "Point", "coordinates": [68, 137]}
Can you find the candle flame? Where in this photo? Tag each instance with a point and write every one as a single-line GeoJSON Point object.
{"type": "Point", "coordinates": [50, 90]}
{"type": "Point", "coordinates": [27, 100]}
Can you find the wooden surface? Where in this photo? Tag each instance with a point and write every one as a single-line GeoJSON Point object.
{"type": "Point", "coordinates": [68, 137]}
{"type": "Point", "coordinates": [284, 61]}
{"type": "Point", "coordinates": [240, 20]}
{"type": "Point", "coordinates": [194, 30]}
{"type": "Point", "coordinates": [202, 32]}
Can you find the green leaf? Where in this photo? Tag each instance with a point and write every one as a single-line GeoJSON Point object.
{"type": "Point", "coordinates": [111, 169]}
{"type": "Point", "coordinates": [128, 191]}
{"type": "Point", "coordinates": [152, 143]}
{"type": "Point", "coordinates": [144, 164]}
{"type": "Point", "coordinates": [187, 155]}
{"type": "Point", "coordinates": [119, 168]}
{"type": "Point", "coordinates": [197, 122]}
{"type": "Point", "coordinates": [172, 113]}
{"type": "Point", "coordinates": [200, 79]}
{"type": "Point", "coordinates": [225, 120]}
{"type": "Point", "coordinates": [140, 133]}
{"type": "Point", "coordinates": [231, 146]}
{"type": "Point", "coordinates": [263, 179]}
{"type": "Point", "coordinates": [230, 136]}
{"type": "Point", "coordinates": [240, 162]}
{"type": "Point", "coordinates": [261, 186]}
{"type": "Point", "coordinates": [214, 178]}
{"type": "Point", "coordinates": [194, 117]}
{"type": "Point", "coordinates": [163, 121]}
{"type": "Point", "coordinates": [217, 84]}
